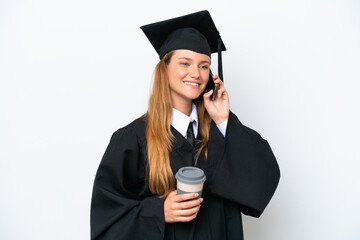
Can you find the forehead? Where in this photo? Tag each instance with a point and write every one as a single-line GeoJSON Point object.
{"type": "Point", "coordinates": [183, 53]}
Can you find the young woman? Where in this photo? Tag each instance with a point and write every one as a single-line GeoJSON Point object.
{"type": "Point", "coordinates": [134, 195]}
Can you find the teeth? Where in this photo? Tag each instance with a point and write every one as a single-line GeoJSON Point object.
{"type": "Point", "coordinates": [190, 83]}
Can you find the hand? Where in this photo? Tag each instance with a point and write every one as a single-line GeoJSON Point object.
{"type": "Point", "coordinates": [218, 109]}
{"type": "Point", "coordinates": [175, 210]}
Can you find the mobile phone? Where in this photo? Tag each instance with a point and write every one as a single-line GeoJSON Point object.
{"type": "Point", "coordinates": [213, 86]}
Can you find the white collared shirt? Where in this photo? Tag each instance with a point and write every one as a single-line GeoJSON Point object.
{"type": "Point", "coordinates": [180, 122]}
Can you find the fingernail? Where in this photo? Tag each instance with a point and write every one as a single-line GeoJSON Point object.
{"type": "Point", "coordinates": [196, 194]}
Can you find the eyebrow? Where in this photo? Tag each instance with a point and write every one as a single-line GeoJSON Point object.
{"type": "Point", "coordinates": [190, 59]}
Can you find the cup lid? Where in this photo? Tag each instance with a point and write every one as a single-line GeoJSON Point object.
{"type": "Point", "coordinates": [190, 175]}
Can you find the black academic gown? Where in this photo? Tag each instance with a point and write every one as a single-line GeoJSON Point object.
{"type": "Point", "coordinates": [242, 175]}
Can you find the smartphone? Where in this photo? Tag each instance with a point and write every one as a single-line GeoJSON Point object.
{"type": "Point", "coordinates": [212, 85]}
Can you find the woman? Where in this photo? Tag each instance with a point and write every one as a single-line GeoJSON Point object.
{"type": "Point", "coordinates": [134, 194]}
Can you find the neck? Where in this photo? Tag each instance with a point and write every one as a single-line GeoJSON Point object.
{"type": "Point", "coordinates": [183, 106]}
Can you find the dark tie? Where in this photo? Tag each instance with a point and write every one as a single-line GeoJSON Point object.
{"type": "Point", "coordinates": [190, 134]}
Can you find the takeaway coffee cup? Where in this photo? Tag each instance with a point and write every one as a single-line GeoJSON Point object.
{"type": "Point", "coordinates": [190, 180]}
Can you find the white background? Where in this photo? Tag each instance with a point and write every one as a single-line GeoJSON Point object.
{"type": "Point", "coordinates": [74, 71]}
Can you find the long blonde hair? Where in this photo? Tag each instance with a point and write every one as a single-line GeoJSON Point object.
{"type": "Point", "coordinates": [158, 131]}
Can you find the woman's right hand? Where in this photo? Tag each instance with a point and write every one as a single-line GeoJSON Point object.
{"type": "Point", "coordinates": [176, 210]}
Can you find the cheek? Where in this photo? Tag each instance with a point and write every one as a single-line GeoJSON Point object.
{"type": "Point", "coordinates": [181, 73]}
{"type": "Point", "coordinates": [176, 74]}
{"type": "Point", "coordinates": [205, 76]}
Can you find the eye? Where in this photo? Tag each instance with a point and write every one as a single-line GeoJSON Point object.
{"type": "Point", "coordinates": [204, 67]}
{"type": "Point", "coordinates": [184, 63]}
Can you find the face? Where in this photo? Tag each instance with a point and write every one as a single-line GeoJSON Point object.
{"type": "Point", "coordinates": [188, 73]}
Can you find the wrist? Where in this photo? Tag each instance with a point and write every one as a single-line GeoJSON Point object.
{"type": "Point", "coordinates": [220, 119]}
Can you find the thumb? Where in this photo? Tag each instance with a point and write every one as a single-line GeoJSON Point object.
{"type": "Point", "coordinates": [207, 95]}
{"type": "Point", "coordinates": [173, 193]}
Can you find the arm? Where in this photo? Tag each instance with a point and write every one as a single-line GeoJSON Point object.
{"type": "Point", "coordinates": [241, 167]}
{"type": "Point", "coordinates": [122, 207]}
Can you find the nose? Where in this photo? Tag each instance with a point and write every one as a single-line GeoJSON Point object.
{"type": "Point", "coordinates": [194, 72]}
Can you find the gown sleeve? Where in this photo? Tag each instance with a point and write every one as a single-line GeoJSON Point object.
{"type": "Point", "coordinates": [241, 167]}
{"type": "Point", "coordinates": [121, 206]}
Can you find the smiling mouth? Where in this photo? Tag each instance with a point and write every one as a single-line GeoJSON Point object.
{"type": "Point", "coordinates": [192, 83]}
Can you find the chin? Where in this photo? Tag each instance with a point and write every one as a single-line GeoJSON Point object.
{"type": "Point", "coordinates": [193, 97]}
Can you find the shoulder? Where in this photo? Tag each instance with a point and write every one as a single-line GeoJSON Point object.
{"type": "Point", "coordinates": [135, 129]}
{"type": "Point", "coordinates": [128, 138]}
{"type": "Point", "coordinates": [138, 125]}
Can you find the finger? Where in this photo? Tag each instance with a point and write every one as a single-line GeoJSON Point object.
{"type": "Point", "coordinates": [190, 204]}
{"type": "Point", "coordinates": [221, 87]}
{"type": "Point", "coordinates": [186, 218]}
{"type": "Point", "coordinates": [187, 212]}
{"type": "Point", "coordinates": [184, 197]}
{"type": "Point", "coordinates": [219, 82]}
{"type": "Point", "coordinates": [220, 92]}
{"type": "Point", "coordinates": [216, 78]}
{"type": "Point", "coordinates": [187, 196]}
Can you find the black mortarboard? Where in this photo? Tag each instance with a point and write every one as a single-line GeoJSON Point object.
{"type": "Point", "coordinates": [196, 32]}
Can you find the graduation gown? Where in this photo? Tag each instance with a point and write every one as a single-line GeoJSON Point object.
{"type": "Point", "coordinates": [242, 175]}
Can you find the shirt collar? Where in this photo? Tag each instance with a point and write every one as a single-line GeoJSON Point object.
{"type": "Point", "coordinates": [180, 121]}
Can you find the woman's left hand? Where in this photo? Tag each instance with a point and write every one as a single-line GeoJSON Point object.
{"type": "Point", "coordinates": [218, 109]}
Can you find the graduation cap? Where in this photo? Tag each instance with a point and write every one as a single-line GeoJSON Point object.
{"type": "Point", "coordinates": [196, 32]}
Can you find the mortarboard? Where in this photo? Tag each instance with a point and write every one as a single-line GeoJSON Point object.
{"type": "Point", "coordinates": [196, 32]}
